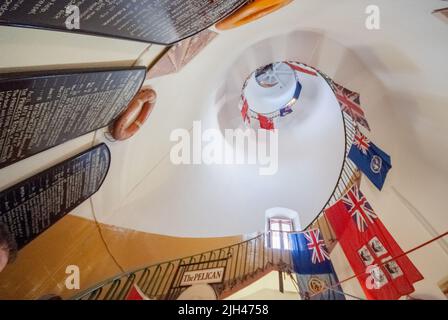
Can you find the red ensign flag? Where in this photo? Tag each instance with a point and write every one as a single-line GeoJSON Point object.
{"type": "Point", "coordinates": [265, 122]}
{"type": "Point", "coordinates": [367, 243]}
{"type": "Point", "coordinates": [244, 111]}
{"type": "Point", "coordinates": [135, 293]}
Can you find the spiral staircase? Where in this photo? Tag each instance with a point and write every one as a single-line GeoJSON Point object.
{"type": "Point", "coordinates": [244, 262]}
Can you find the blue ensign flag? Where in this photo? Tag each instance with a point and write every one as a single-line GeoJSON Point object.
{"type": "Point", "coordinates": [316, 277]}
{"type": "Point", "coordinates": [370, 159]}
{"type": "Point", "coordinates": [285, 111]}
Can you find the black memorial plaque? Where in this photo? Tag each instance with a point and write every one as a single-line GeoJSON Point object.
{"type": "Point", "coordinates": [156, 21]}
{"type": "Point", "coordinates": [32, 206]}
{"type": "Point", "coordinates": [38, 111]}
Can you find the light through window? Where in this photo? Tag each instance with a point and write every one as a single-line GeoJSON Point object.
{"type": "Point", "coordinates": [278, 234]}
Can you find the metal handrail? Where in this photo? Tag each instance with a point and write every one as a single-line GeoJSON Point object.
{"type": "Point", "coordinates": [349, 172]}
{"type": "Point", "coordinates": [157, 280]}
{"type": "Point", "coordinates": [242, 261]}
{"type": "Point", "coordinates": [156, 264]}
{"type": "Point", "coordinates": [347, 178]}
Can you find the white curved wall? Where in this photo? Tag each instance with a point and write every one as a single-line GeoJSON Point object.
{"type": "Point", "coordinates": [228, 200]}
{"type": "Point", "coordinates": [221, 200]}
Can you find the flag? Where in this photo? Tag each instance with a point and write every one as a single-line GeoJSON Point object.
{"type": "Point", "coordinates": [313, 267]}
{"type": "Point", "coordinates": [265, 122]}
{"type": "Point", "coordinates": [245, 110]}
{"type": "Point", "coordinates": [350, 103]}
{"type": "Point", "coordinates": [301, 69]}
{"type": "Point", "coordinates": [367, 245]}
{"type": "Point", "coordinates": [285, 111]}
{"type": "Point", "coordinates": [370, 159]}
{"type": "Point", "coordinates": [136, 294]}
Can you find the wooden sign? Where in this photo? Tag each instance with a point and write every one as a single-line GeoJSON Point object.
{"type": "Point", "coordinates": [34, 205]}
{"type": "Point", "coordinates": [42, 110]}
{"type": "Point", "coordinates": [156, 21]}
{"type": "Point", "coordinates": [208, 276]}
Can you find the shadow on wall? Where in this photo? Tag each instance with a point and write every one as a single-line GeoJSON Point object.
{"type": "Point", "coordinates": [423, 125]}
{"type": "Point", "coordinates": [385, 58]}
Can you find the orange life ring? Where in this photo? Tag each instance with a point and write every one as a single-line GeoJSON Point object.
{"type": "Point", "coordinates": [250, 12]}
{"type": "Point", "coordinates": [145, 100]}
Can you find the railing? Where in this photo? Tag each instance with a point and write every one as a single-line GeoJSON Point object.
{"type": "Point", "coordinates": [348, 176]}
{"type": "Point", "coordinates": [242, 261]}
{"type": "Point", "coordinates": [349, 173]}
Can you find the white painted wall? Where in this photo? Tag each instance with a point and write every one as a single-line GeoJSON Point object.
{"type": "Point", "coordinates": [220, 200]}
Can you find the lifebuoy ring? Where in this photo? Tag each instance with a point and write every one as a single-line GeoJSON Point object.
{"type": "Point", "coordinates": [250, 12]}
{"type": "Point", "coordinates": [145, 100]}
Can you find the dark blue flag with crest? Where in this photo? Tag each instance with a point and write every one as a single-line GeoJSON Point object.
{"type": "Point", "coordinates": [316, 277]}
{"type": "Point", "coordinates": [285, 111]}
{"type": "Point", "coordinates": [370, 159]}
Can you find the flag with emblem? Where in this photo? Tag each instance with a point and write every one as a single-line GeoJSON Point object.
{"type": "Point", "coordinates": [316, 277]}
{"type": "Point", "coordinates": [135, 293]}
{"type": "Point", "coordinates": [265, 122]}
{"type": "Point", "coordinates": [383, 271]}
{"type": "Point", "coordinates": [350, 102]}
{"type": "Point", "coordinates": [285, 111]}
{"type": "Point", "coordinates": [370, 159]}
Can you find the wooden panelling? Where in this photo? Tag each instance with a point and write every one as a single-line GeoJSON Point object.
{"type": "Point", "coordinates": [40, 266]}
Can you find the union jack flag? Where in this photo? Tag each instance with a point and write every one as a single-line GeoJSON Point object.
{"type": "Point", "coordinates": [359, 209]}
{"type": "Point", "coordinates": [350, 103]}
{"type": "Point", "coordinates": [317, 246]}
{"type": "Point", "coordinates": [361, 142]}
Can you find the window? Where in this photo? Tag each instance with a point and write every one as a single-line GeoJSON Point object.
{"type": "Point", "coordinates": [278, 235]}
